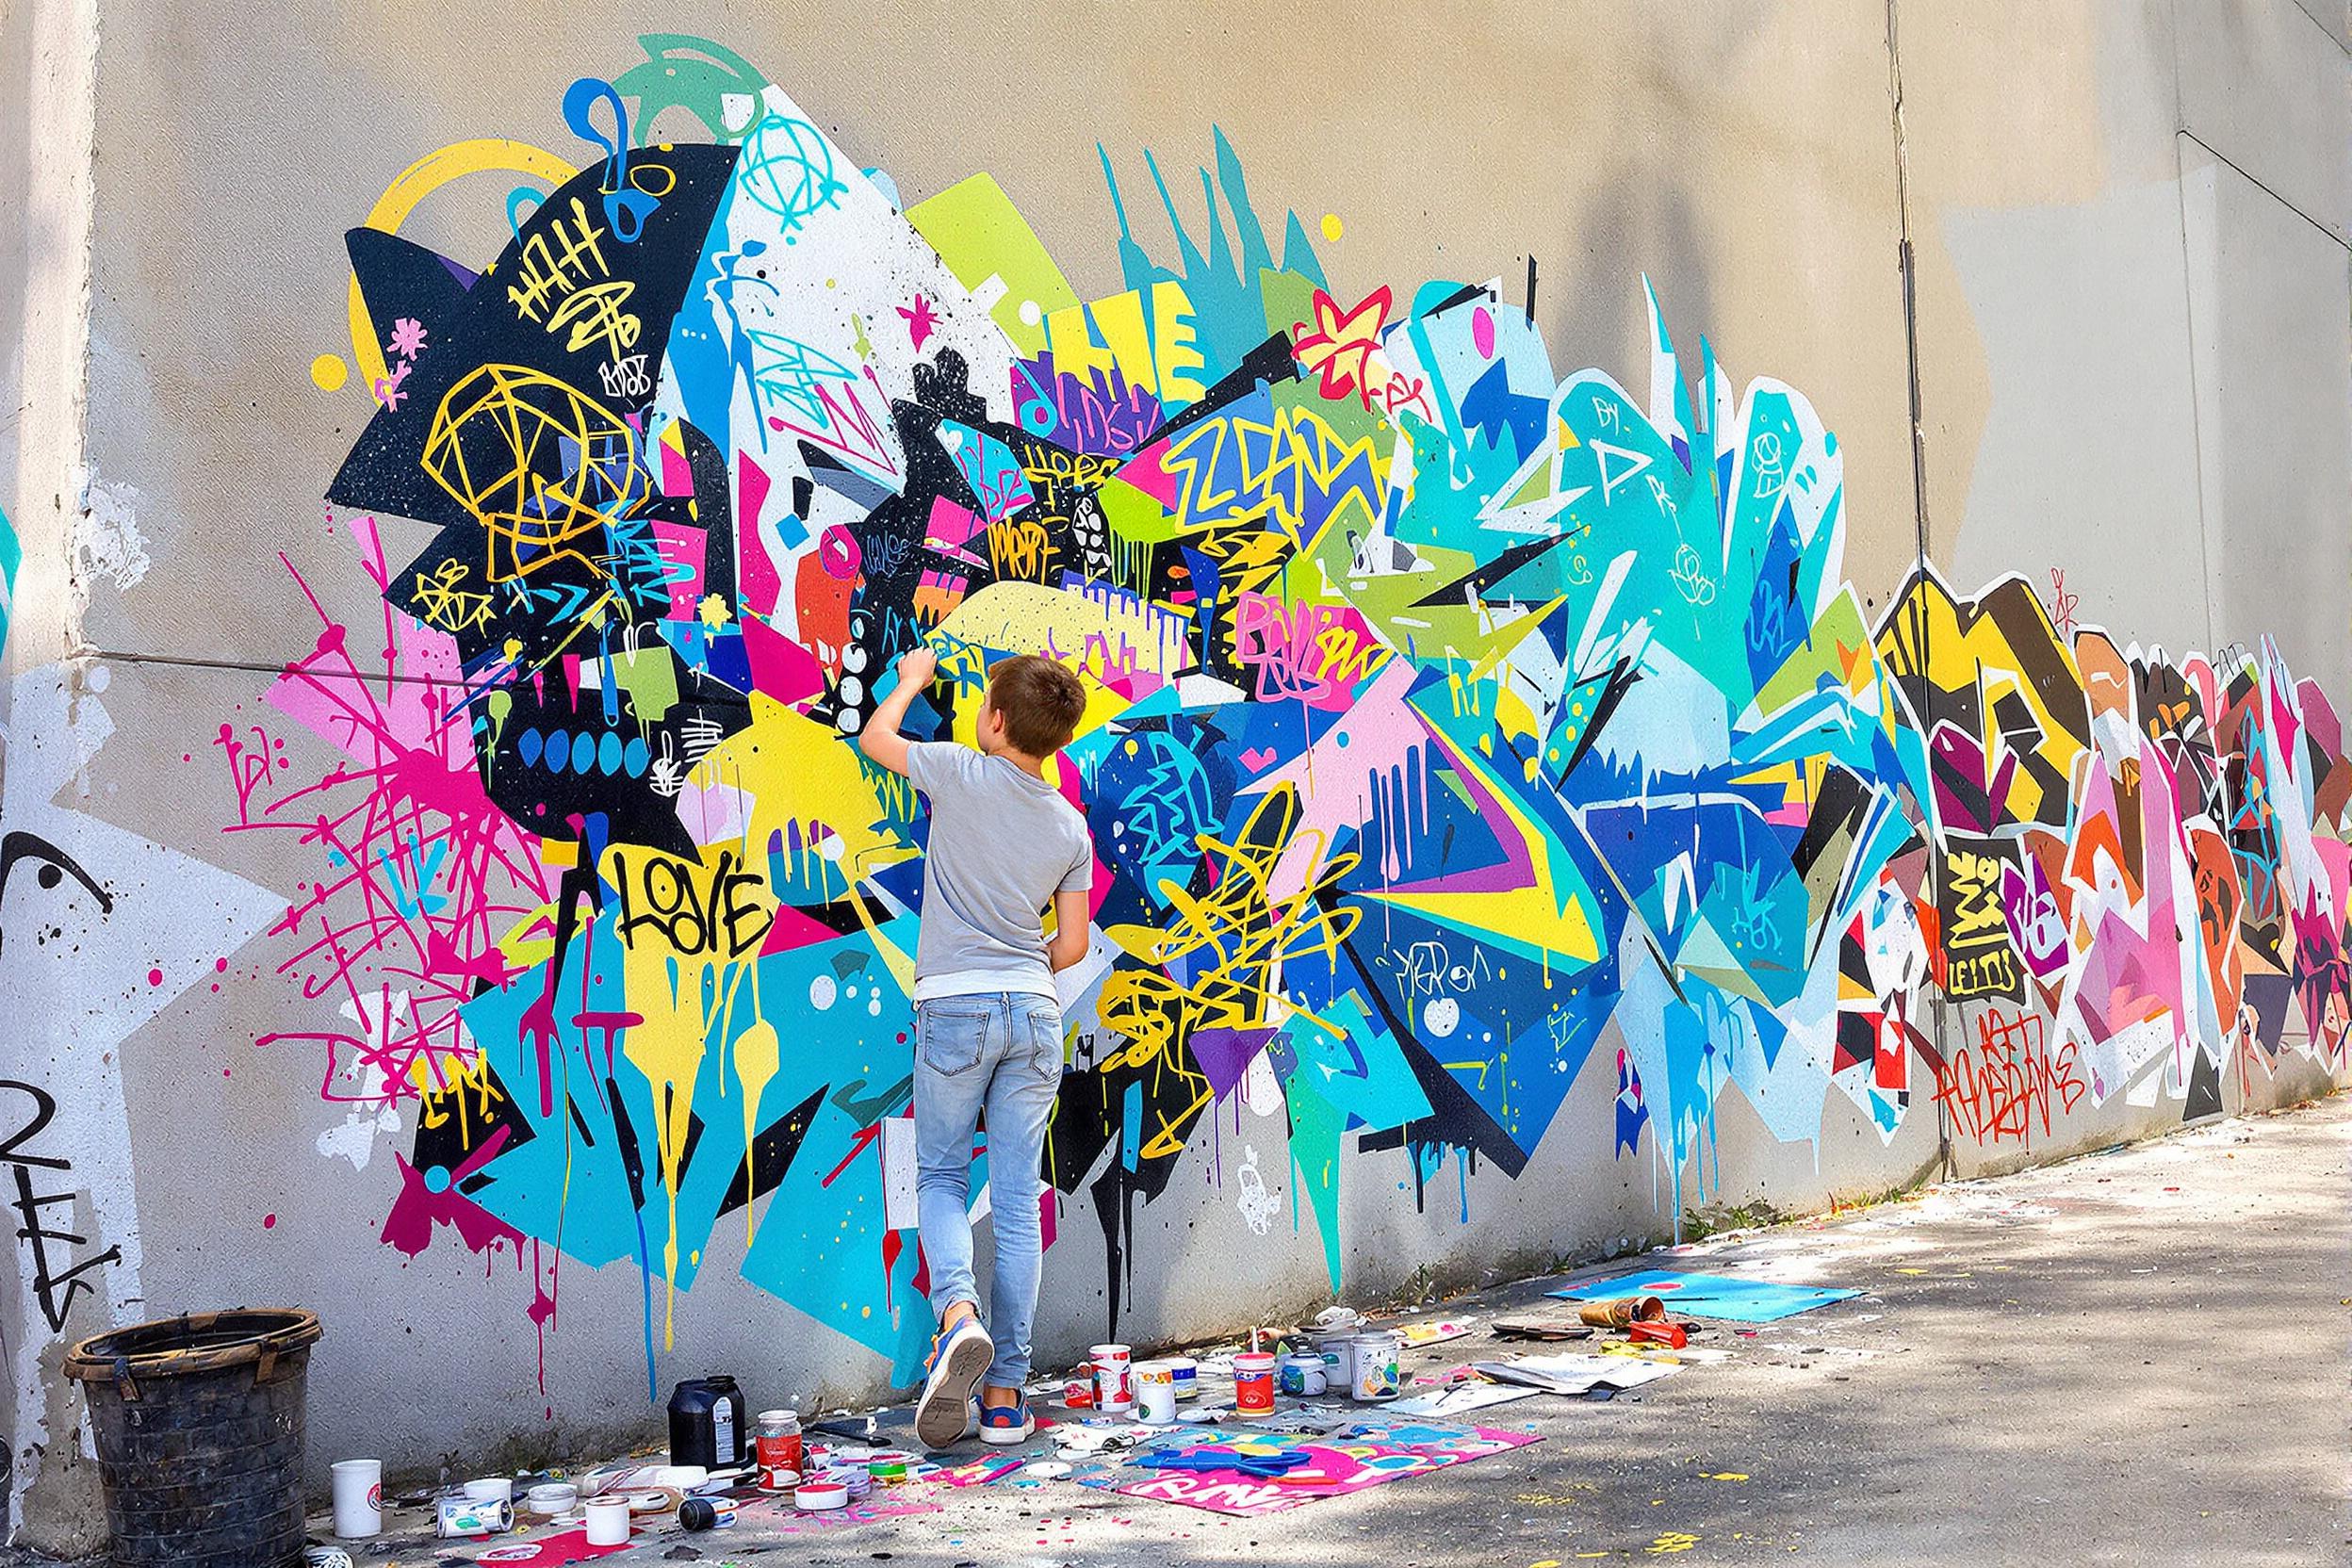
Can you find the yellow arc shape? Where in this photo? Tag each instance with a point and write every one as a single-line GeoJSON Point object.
{"type": "Point", "coordinates": [408, 192]}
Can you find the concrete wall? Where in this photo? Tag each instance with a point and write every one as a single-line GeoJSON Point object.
{"type": "Point", "coordinates": [2131, 315]}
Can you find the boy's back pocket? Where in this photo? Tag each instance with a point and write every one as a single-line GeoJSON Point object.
{"type": "Point", "coordinates": [953, 1034]}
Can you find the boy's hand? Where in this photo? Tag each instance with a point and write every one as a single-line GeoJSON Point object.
{"type": "Point", "coordinates": [916, 667]}
{"type": "Point", "coordinates": [880, 738]}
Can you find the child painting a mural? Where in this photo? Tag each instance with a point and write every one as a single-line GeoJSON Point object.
{"type": "Point", "coordinates": [1003, 843]}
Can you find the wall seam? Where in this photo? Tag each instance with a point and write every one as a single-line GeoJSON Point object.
{"type": "Point", "coordinates": [2188, 309]}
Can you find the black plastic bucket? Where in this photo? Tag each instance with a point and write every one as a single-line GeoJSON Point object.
{"type": "Point", "coordinates": [198, 1426]}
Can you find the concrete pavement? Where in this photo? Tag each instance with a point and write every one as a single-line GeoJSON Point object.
{"type": "Point", "coordinates": [2134, 1357]}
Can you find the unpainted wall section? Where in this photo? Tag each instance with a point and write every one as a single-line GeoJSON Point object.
{"type": "Point", "coordinates": [2084, 352]}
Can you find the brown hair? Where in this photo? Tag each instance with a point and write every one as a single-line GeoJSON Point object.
{"type": "Point", "coordinates": [1039, 701]}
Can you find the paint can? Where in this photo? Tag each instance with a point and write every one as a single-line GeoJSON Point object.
{"type": "Point", "coordinates": [1155, 1391]}
{"type": "Point", "coordinates": [551, 1498]}
{"type": "Point", "coordinates": [1254, 1384]}
{"type": "Point", "coordinates": [475, 1516]}
{"type": "Point", "coordinates": [888, 1472]}
{"type": "Point", "coordinates": [1187, 1373]}
{"type": "Point", "coordinates": [1301, 1377]}
{"type": "Point", "coordinates": [1078, 1394]}
{"type": "Point", "coordinates": [358, 1499]}
{"type": "Point", "coordinates": [608, 1521]}
{"type": "Point", "coordinates": [820, 1497]}
{"type": "Point", "coordinates": [1114, 1387]}
{"type": "Point", "coordinates": [779, 1447]}
{"type": "Point", "coordinates": [706, 1514]}
{"type": "Point", "coordinates": [1338, 1350]}
{"type": "Point", "coordinates": [1376, 1366]}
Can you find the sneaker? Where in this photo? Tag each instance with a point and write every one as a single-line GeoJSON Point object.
{"type": "Point", "coordinates": [1005, 1424]}
{"type": "Point", "coordinates": [960, 1359]}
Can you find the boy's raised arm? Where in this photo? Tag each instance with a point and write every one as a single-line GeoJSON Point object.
{"type": "Point", "coordinates": [880, 738]}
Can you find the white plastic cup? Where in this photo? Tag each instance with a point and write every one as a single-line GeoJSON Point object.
{"type": "Point", "coordinates": [491, 1489]}
{"type": "Point", "coordinates": [1155, 1393]}
{"type": "Point", "coordinates": [358, 1499]}
{"type": "Point", "coordinates": [608, 1521]}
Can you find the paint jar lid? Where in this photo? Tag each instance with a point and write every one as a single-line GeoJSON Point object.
{"type": "Point", "coordinates": [777, 1416]}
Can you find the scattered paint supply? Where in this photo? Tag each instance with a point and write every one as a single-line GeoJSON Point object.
{"type": "Point", "coordinates": [1713, 1295]}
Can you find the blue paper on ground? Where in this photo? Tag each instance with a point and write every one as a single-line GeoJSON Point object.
{"type": "Point", "coordinates": [1711, 1295]}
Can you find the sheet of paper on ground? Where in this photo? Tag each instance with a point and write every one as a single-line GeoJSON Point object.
{"type": "Point", "coordinates": [1341, 1466]}
{"type": "Point", "coordinates": [1711, 1294]}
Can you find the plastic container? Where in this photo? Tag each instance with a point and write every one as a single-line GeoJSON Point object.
{"type": "Point", "coordinates": [777, 1444]}
{"type": "Point", "coordinates": [1302, 1377]}
{"type": "Point", "coordinates": [1155, 1393]}
{"type": "Point", "coordinates": [552, 1497]}
{"type": "Point", "coordinates": [199, 1424]}
{"type": "Point", "coordinates": [608, 1521]}
{"type": "Point", "coordinates": [707, 1426]}
{"type": "Point", "coordinates": [358, 1499]}
{"type": "Point", "coordinates": [1254, 1384]}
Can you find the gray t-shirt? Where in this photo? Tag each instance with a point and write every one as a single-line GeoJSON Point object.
{"type": "Point", "coordinates": [1003, 844]}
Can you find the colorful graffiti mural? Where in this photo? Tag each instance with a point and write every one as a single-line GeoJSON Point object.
{"type": "Point", "coordinates": [1452, 722]}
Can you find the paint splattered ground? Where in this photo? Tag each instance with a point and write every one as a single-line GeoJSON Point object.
{"type": "Point", "coordinates": [2131, 1358]}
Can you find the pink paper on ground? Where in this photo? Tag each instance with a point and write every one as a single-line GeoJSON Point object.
{"type": "Point", "coordinates": [1342, 1466]}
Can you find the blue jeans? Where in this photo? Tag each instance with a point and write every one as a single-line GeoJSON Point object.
{"type": "Point", "coordinates": [999, 1052]}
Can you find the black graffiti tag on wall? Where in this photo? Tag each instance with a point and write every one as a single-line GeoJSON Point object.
{"type": "Point", "coordinates": [55, 1276]}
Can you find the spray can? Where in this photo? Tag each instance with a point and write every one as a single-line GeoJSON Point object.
{"type": "Point", "coordinates": [475, 1516]}
{"type": "Point", "coordinates": [706, 1514]}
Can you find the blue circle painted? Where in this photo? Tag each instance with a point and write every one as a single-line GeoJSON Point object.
{"type": "Point", "coordinates": [526, 747]}
{"type": "Point", "coordinates": [583, 753]}
{"type": "Point", "coordinates": [436, 1177]}
{"type": "Point", "coordinates": [609, 753]}
{"type": "Point", "coordinates": [559, 751]}
{"type": "Point", "coordinates": [636, 757]}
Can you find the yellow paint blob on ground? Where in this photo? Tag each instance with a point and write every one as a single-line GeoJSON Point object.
{"type": "Point", "coordinates": [1728, 1476]}
{"type": "Point", "coordinates": [329, 371]}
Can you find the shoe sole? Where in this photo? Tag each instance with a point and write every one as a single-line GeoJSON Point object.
{"type": "Point", "coordinates": [942, 1417]}
{"type": "Point", "coordinates": [1003, 1437]}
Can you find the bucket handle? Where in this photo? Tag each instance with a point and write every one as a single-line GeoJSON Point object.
{"type": "Point", "coordinates": [123, 1382]}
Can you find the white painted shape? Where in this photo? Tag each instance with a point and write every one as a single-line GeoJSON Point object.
{"type": "Point", "coordinates": [74, 1002]}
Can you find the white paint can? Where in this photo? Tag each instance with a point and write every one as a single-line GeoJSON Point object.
{"type": "Point", "coordinates": [358, 1499]}
{"type": "Point", "coordinates": [1338, 1351]}
{"type": "Point", "coordinates": [608, 1521]}
{"type": "Point", "coordinates": [1155, 1391]}
{"type": "Point", "coordinates": [1376, 1366]}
